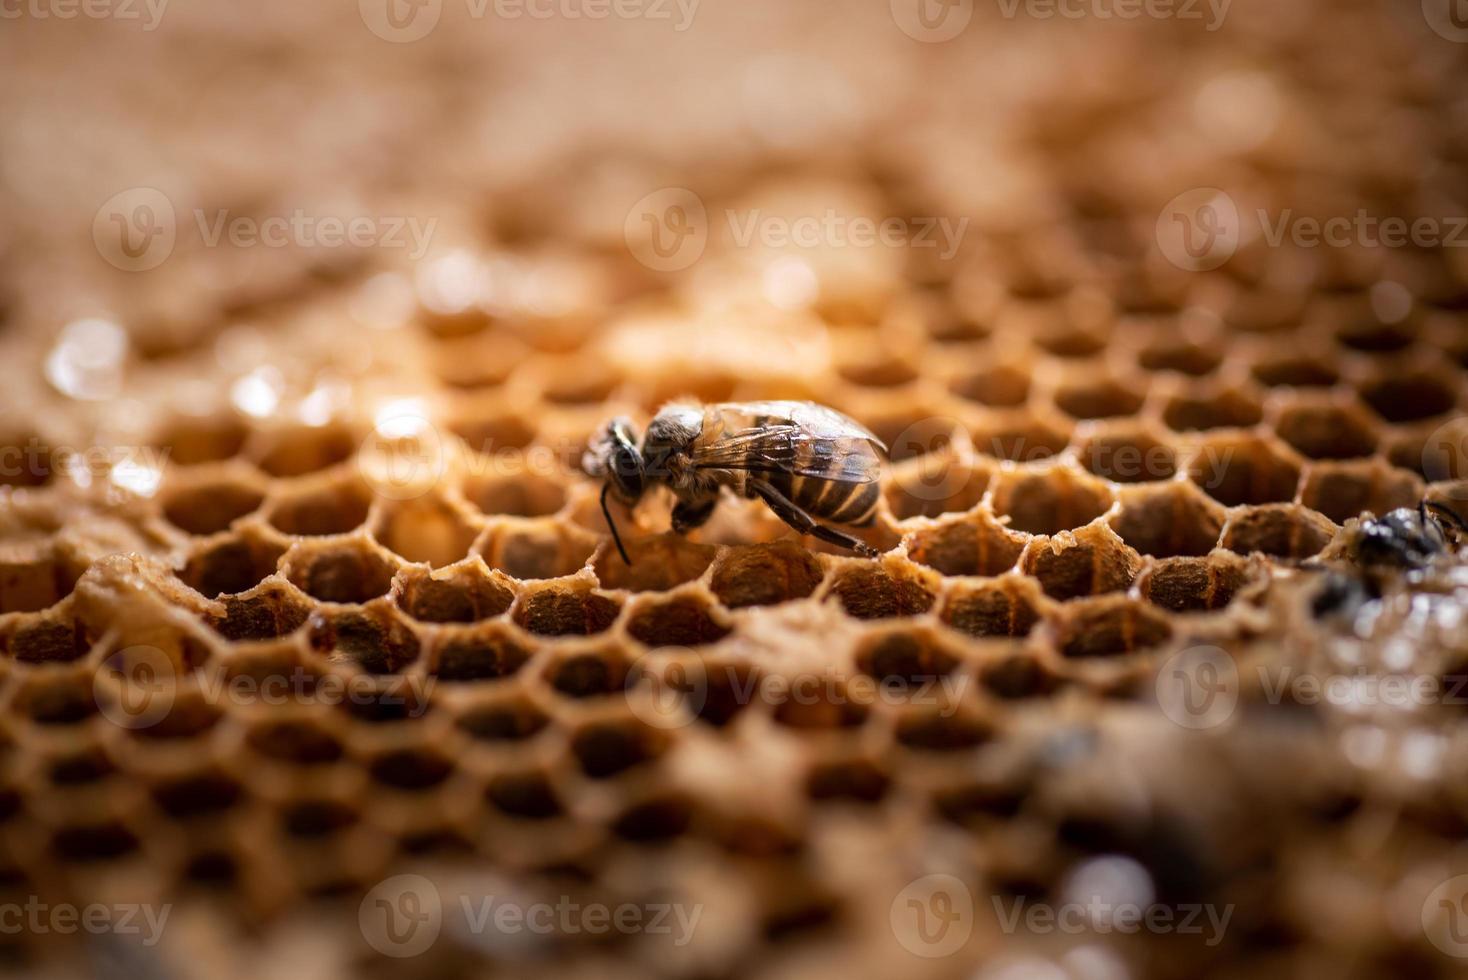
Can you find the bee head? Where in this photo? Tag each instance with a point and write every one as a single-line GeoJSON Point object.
{"type": "Point", "coordinates": [615, 458]}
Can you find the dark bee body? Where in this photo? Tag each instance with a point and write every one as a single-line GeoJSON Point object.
{"type": "Point", "coordinates": [805, 461]}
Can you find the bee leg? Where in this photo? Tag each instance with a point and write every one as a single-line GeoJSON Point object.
{"type": "Point", "coordinates": [805, 524]}
{"type": "Point", "coordinates": [690, 514]}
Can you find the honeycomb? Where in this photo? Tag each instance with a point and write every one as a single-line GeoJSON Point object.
{"type": "Point", "coordinates": [313, 640]}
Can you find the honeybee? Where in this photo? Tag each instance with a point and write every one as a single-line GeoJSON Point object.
{"type": "Point", "coordinates": [805, 461]}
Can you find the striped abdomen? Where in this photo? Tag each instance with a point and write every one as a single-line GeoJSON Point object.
{"type": "Point", "coordinates": [837, 501]}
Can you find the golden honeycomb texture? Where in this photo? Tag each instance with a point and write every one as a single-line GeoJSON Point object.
{"type": "Point", "coordinates": [316, 655]}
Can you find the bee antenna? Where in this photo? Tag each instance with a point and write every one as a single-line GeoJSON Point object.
{"type": "Point", "coordinates": [607, 513]}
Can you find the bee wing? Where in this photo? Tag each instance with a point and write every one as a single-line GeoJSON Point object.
{"type": "Point", "coordinates": [792, 449]}
{"type": "Point", "coordinates": [817, 419]}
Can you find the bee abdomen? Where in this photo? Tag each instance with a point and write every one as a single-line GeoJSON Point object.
{"type": "Point", "coordinates": [839, 501]}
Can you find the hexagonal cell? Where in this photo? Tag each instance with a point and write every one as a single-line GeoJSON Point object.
{"type": "Point", "coordinates": [526, 795]}
{"type": "Point", "coordinates": [232, 565]}
{"type": "Point", "coordinates": [273, 612]}
{"type": "Point", "coordinates": [1000, 386]}
{"type": "Point", "coordinates": [658, 564]}
{"type": "Point", "coordinates": [814, 702]}
{"type": "Point", "coordinates": [1049, 501]}
{"type": "Point", "coordinates": [686, 621]}
{"type": "Point", "coordinates": [304, 449]}
{"type": "Point", "coordinates": [333, 509]}
{"type": "Point", "coordinates": [1005, 608]}
{"type": "Point", "coordinates": [296, 741]}
{"type": "Point", "coordinates": [191, 713]}
{"type": "Point", "coordinates": [93, 841]}
{"type": "Point", "coordinates": [1244, 470]}
{"type": "Point", "coordinates": [198, 794]}
{"type": "Point", "coordinates": [1295, 371]}
{"type": "Point", "coordinates": [516, 492]}
{"type": "Point", "coordinates": [477, 654]}
{"type": "Point", "coordinates": [872, 591]}
{"type": "Point", "coordinates": [879, 370]}
{"type": "Point", "coordinates": [929, 731]}
{"type": "Point", "coordinates": [426, 529]}
{"type": "Point", "coordinates": [1110, 626]}
{"type": "Point", "coordinates": [314, 818]}
{"type": "Point", "coordinates": [576, 381]}
{"type": "Point", "coordinates": [410, 769]}
{"type": "Point", "coordinates": [933, 485]}
{"type": "Point", "coordinates": [904, 657]}
{"type": "Point", "coordinates": [539, 550]}
{"type": "Point", "coordinates": [658, 819]}
{"type": "Point", "coordinates": [211, 507]}
{"type": "Point", "coordinates": [588, 673]}
{"type": "Point", "coordinates": [1369, 334]}
{"type": "Point", "coordinates": [1342, 490]}
{"type": "Point", "coordinates": [1195, 584]}
{"type": "Point", "coordinates": [765, 574]}
{"type": "Point", "coordinates": [463, 594]}
{"type": "Point", "coordinates": [505, 719]}
{"type": "Point", "coordinates": [353, 572]}
{"type": "Point", "coordinates": [1169, 520]}
{"type": "Point", "coordinates": [973, 545]}
{"type": "Point", "coordinates": [1098, 398]}
{"type": "Point", "coordinates": [1265, 309]}
{"type": "Point", "coordinates": [63, 697]}
{"type": "Point", "coordinates": [25, 460]}
{"type": "Point", "coordinates": [480, 360]}
{"type": "Point", "coordinates": [46, 639]}
{"type": "Point", "coordinates": [488, 432]}
{"type": "Point", "coordinates": [1126, 455]}
{"type": "Point", "coordinates": [1278, 530]}
{"type": "Point", "coordinates": [31, 579]}
{"type": "Point", "coordinates": [1324, 431]}
{"type": "Point", "coordinates": [1091, 561]}
{"type": "Point", "coordinates": [373, 639]}
{"type": "Point", "coordinates": [561, 611]}
{"type": "Point", "coordinates": [1018, 676]}
{"type": "Point", "coordinates": [857, 780]}
{"type": "Point", "coordinates": [1021, 440]}
{"type": "Point", "coordinates": [608, 748]}
{"type": "Point", "coordinates": [189, 442]}
{"type": "Point", "coordinates": [1189, 412]}
{"type": "Point", "coordinates": [1409, 397]}
{"type": "Point", "coordinates": [1168, 353]}
{"type": "Point", "coordinates": [913, 434]}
